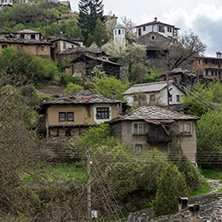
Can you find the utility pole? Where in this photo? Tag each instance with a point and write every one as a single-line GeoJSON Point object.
{"type": "Point", "coordinates": [89, 201]}
{"type": "Point", "coordinates": [168, 92]}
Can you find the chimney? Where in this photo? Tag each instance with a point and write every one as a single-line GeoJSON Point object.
{"type": "Point", "coordinates": [218, 54]}
{"type": "Point", "coordinates": [182, 203]}
{"type": "Point", "coordinates": [194, 213]}
{"type": "Point", "coordinates": [155, 19]}
{"type": "Point", "coordinates": [113, 95]}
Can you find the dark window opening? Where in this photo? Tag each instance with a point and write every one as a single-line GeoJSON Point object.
{"type": "Point", "coordinates": [32, 36]}
{"type": "Point", "coordinates": [139, 31]}
{"type": "Point", "coordinates": [144, 28]}
{"type": "Point", "coordinates": [56, 44]}
{"type": "Point", "coordinates": [68, 132]}
{"type": "Point", "coordinates": [102, 113]}
{"type": "Point", "coordinates": [42, 48]}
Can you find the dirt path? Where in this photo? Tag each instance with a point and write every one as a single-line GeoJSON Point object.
{"type": "Point", "coordinates": [215, 185]}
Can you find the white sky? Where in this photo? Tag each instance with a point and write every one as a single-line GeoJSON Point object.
{"type": "Point", "coordinates": [203, 17]}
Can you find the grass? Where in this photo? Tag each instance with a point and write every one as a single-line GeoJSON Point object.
{"type": "Point", "coordinates": [63, 172]}
{"type": "Point", "coordinates": [211, 174]}
{"type": "Point", "coordinates": [200, 191]}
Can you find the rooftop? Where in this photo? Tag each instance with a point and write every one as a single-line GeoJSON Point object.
{"type": "Point", "coordinates": [153, 113]}
{"type": "Point", "coordinates": [147, 87]}
{"type": "Point", "coordinates": [82, 97]}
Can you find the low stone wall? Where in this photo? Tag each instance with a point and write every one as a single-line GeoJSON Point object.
{"type": "Point", "coordinates": [208, 204]}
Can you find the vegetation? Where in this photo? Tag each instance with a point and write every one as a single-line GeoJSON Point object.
{"type": "Point", "coordinates": [170, 185]}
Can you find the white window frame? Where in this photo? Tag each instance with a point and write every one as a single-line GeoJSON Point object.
{"type": "Point", "coordinates": [186, 128]}
{"type": "Point", "coordinates": [140, 128]}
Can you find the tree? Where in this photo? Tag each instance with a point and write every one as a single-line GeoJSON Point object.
{"type": "Point", "coordinates": [25, 66]}
{"type": "Point", "coordinates": [129, 29]}
{"type": "Point", "coordinates": [71, 87]}
{"type": "Point", "coordinates": [209, 137]}
{"type": "Point", "coordinates": [89, 12]}
{"type": "Point", "coordinates": [99, 36]}
{"type": "Point", "coordinates": [106, 86]}
{"type": "Point", "coordinates": [184, 50]}
{"type": "Point", "coordinates": [170, 186]}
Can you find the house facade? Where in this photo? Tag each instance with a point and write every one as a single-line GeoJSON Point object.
{"type": "Point", "coordinates": [70, 115]}
{"type": "Point", "coordinates": [155, 93]}
{"type": "Point", "coordinates": [208, 67]}
{"type": "Point", "coordinates": [164, 29]}
{"type": "Point", "coordinates": [88, 67]}
{"type": "Point", "coordinates": [151, 127]}
{"type": "Point", "coordinates": [27, 34]}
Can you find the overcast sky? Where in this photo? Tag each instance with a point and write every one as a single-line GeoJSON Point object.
{"type": "Point", "coordinates": [203, 17]}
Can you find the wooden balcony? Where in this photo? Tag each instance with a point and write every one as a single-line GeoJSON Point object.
{"type": "Point", "coordinates": [158, 137]}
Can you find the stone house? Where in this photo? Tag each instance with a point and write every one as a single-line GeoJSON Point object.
{"type": "Point", "coordinates": [169, 31]}
{"type": "Point", "coordinates": [208, 67]}
{"type": "Point", "coordinates": [70, 115]}
{"type": "Point", "coordinates": [27, 34]}
{"type": "Point", "coordinates": [151, 127]}
{"type": "Point", "coordinates": [87, 67]}
{"type": "Point", "coordinates": [154, 93]}
{"type": "Point", "coordinates": [183, 78]}
{"type": "Point", "coordinates": [60, 43]}
{"type": "Point", "coordinates": [37, 47]}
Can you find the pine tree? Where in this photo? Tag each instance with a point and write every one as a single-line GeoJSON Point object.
{"type": "Point", "coordinates": [89, 12]}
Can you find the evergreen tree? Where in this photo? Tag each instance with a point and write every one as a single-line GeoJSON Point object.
{"type": "Point", "coordinates": [89, 12]}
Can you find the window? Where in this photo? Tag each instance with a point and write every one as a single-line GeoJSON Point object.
{"type": "Point", "coordinates": [42, 48]}
{"type": "Point", "coordinates": [119, 32]}
{"type": "Point", "coordinates": [139, 32]}
{"type": "Point", "coordinates": [22, 35]}
{"type": "Point", "coordinates": [153, 37]}
{"type": "Point", "coordinates": [144, 28]}
{"type": "Point", "coordinates": [178, 98]}
{"type": "Point", "coordinates": [161, 29]}
{"type": "Point", "coordinates": [57, 55]}
{"type": "Point", "coordinates": [140, 128]}
{"type": "Point", "coordinates": [102, 113]}
{"type": "Point", "coordinates": [123, 31]}
{"type": "Point", "coordinates": [70, 116]}
{"type": "Point", "coordinates": [62, 117]}
{"type": "Point", "coordinates": [170, 97]}
{"type": "Point", "coordinates": [185, 129]}
{"type": "Point", "coordinates": [175, 79]}
{"type": "Point", "coordinates": [68, 132]}
{"type": "Point", "coordinates": [115, 32]}
{"type": "Point", "coordinates": [32, 36]}
{"type": "Point", "coordinates": [3, 46]}
{"type": "Point", "coordinates": [169, 29]}
{"type": "Point", "coordinates": [64, 45]}
{"type": "Point", "coordinates": [56, 44]}
{"type": "Point", "coordinates": [138, 148]}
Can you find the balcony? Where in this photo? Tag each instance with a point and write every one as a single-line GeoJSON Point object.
{"type": "Point", "coordinates": [158, 137]}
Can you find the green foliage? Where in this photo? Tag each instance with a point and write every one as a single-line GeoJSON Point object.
{"type": "Point", "coordinates": [107, 85]}
{"type": "Point", "coordinates": [170, 186]}
{"type": "Point", "coordinates": [21, 66]}
{"type": "Point", "coordinates": [89, 12]}
{"type": "Point", "coordinates": [203, 98]}
{"type": "Point", "coordinates": [204, 189]}
{"type": "Point", "coordinates": [99, 36]}
{"type": "Point", "coordinates": [209, 137]}
{"type": "Point", "coordinates": [117, 165]}
{"type": "Point", "coordinates": [70, 88]}
{"type": "Point", "coordinates": [138, 73]}
{"type": "Point", "coordinates": [212, 174]}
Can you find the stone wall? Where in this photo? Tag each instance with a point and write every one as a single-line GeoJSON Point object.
{"type": "Point", "coordinates": [209, 204]}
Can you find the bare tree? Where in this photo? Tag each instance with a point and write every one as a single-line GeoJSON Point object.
{"type": "Point", "coordinates": [129, 28]}
{"type": "Point", "coordinates": [184, 50]}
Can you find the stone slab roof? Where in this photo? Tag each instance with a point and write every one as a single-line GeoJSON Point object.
{"type": "Point", "coordinates": [52, 91]}
{"type": "Point", "coordinates": [153, 113]}
{"type": "Point", "coordinates": [147, 87]}
{"type": "Point", "coordinates": [24, 41]}
{"type": "Point", "coordinates": [82, 97]}
{"type": "Point", "coordinates": [57, 37]}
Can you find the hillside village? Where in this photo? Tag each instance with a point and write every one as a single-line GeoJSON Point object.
{"type": "Point", "coordinates": [105, 120]}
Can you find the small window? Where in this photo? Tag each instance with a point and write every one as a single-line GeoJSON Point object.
{"type": "Point", "coordinates": [115, 32]}
{"type": "Point", "coordinates": [68, 132]}
{"type": "Point", "coordinates": [144, 28]}
{"type": "Point", "coordinates": [178, 98]}
{"type": "Point", "coordinates": [70, 116]}
{"type": "Point", "coordinates": [62, 117]}
{"type": "Point", "coordinates": [119, 32]}
{"type": "Point", "coordinates": [4, 46]}
{"type": "Point", "coordinates": [170, 97]}
{"type": "Point", "coordinates": [64, 45]}
{"type": "Point", "coordinates": [138, 149]}
{"type": "Point", "coordinates": [153, 37]}
{"type": "Point", "coordinates": [186, 129]}
{"type": "Point", "coordinates": [56, 44]}
{"type": "Point", "coordinates": [140, 128]}
{"type": "Point", "coordinates": [42, 48]}
{"type": "Point", "coordinates": [123, 32]}
{"type": "Point", "coordinates": [169, 29]}
{"type": "Point", "coordinates": [161, 29]}
{"type": "Point", "coordinates": [102, 113]}
{"type": "Point", "coordinates": [22, 35]}
{"type": "Point", "coordinates": [32, 36]}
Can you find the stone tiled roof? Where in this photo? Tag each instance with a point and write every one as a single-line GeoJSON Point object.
{"type": "Point", "coordinates": [81, 50]}
{"type": "Point", "coordinates": [153, 113]}
{"type": "Point", "coordinates": [52, 91]}
{"type": "Point", "coordinates": [24, 41]}
{"type": "Point", "coordinates": [147, 87]}
{"type": "Point", "coordinates": [82, 97]}
{"type": "Point", "coordinates": [56, 37]}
